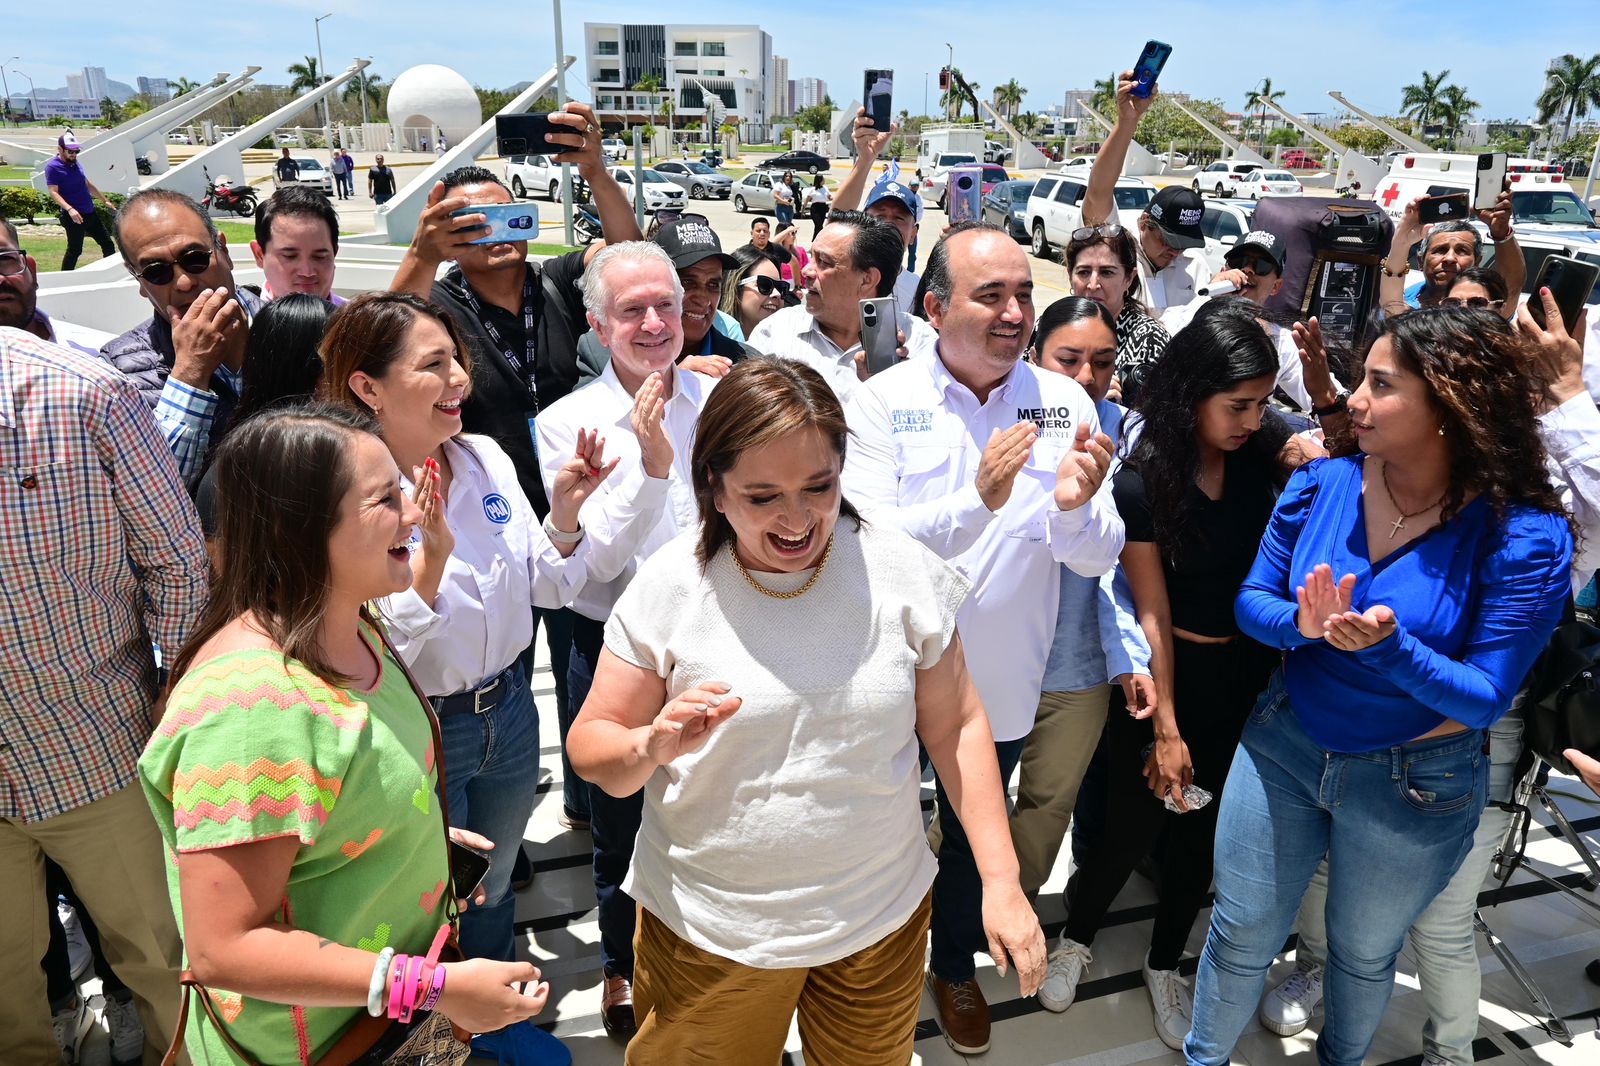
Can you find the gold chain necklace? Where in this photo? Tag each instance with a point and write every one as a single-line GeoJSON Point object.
{"type": "Point", "coordinates": [801, 591]}
{"type": "Point", "coordinates": [1400, 523]}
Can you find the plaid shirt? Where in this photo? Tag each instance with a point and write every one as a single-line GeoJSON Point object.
{"type": "Point", "coordinates": [100, 556]}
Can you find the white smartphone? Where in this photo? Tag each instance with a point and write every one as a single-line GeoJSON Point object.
{"type": "Point", "coordinates": [965, 195]}
{"type": "Point", "coordinates": [879, 325]}
{"type": "Point", "coordinates": [506, 222]}
{"type": "Point", "coordinates": [1491, 180]}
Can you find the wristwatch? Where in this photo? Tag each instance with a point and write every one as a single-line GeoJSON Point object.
{"type": "Point", "coordinates": [1339, 405]}
{"type": "Point", "coordinates": [560, 536]}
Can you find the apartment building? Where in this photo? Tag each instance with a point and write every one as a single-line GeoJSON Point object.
{"type": "Point", "coordinates": [728, 70]}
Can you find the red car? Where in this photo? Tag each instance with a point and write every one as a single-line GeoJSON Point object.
{"type": "Point", "coordinates": [1299, 159]}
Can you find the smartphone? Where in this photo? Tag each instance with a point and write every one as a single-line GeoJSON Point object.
{"type": "Point", "coordinates": [468, 868]}
{"type": "Point", "coordinates": [528, 135]}
{"type": "Point", "coordinates": [1491, 180]}
{"type": "Point", "coordinates": [879, 324]}
{"type": "Point", "coordinates": [1448, 208]}
{"type": "Point", "coordinates": [964, 197]}
{"type": "Point", "coordinates": [1148, 69]}
{"type": "Point", "coordinates": [877, 93]}
{"type": "Point", "coordinates": [507, 222]}
{"type": "Point", "coordinates": [1570, 281]}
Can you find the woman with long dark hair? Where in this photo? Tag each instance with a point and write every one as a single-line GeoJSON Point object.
{"type": "Point", "coordinates": [1195, 500]}
{"type": "Point", "coordinates": [1412, 587]}
{"type": "Point", "coordinates": [1103, 266]}
{"type": "Point", "coordinates": [753, 291]}
{"type": "Point", "coordinates": [292, 775]}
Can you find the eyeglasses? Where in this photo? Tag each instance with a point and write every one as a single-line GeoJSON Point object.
{"type": "Point", "coordinates": [1108, 229]}
{"type": "Point", "coordinates": [13, 263]}
{"type": "Point", "coordinates": [1473, 301]}
{"type": "Point", "coordinates": [1261, 264]}
{"type": "Point", "coordinates": [767, 286]}
{"type": "Point", "coordinates": [195, 261]}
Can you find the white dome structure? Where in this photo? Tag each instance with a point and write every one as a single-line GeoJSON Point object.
{"type": "Point", "coordinates": [431, 95]}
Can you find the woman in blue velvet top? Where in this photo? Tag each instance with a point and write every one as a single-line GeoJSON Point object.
{"type": "Point", "coordinates": [1453, 557]}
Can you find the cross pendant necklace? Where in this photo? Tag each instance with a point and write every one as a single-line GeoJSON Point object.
{"type": "Point", "coordinates": [1400, 522]}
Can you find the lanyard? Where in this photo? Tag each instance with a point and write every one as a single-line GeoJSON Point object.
{"type": "Point", "coordinates": [522, 366]}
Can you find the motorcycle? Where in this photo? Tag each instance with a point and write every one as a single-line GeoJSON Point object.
{"type": "Point", "coordinates": [143, 165]}
{"type": "Point", "coordinates": [241, 201]}
{"type": "Point", "coordinates": [585, 225]}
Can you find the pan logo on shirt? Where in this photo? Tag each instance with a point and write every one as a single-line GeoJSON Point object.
{"type": "Point", "coordinates": [913, 420]}
{"type": "Point", "coordinates": [496, 509]}
{"type": "Point", "coordinates": [1050, 420]}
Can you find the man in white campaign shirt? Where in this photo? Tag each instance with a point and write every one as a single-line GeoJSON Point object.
{"type": "Point", "coordinates": [999, 467]}
{"type": "Point", "coordinates": [854, 258]}
{"type": "Point", "coordinates": [645, 409]}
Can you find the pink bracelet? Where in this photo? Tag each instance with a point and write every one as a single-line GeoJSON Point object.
{"type": "Point", "coordinates": [434, 991]}
{"type": "Point", "coordinates": [430, 967]}
{"type": "Point", "coordinates": [396, 978]}
{"type": "Point", "coordinates": [411, 990]}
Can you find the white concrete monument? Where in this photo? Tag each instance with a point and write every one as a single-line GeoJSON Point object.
{"type": "Point", "coordinates": [432, 97]}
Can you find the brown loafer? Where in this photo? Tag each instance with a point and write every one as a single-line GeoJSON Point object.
{"type": "Point", "coordinates": [963, 1014]}
{"type": "Point", "coordinates": [616, 1006]}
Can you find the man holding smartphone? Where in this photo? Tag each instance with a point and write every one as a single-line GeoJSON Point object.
{"type": "Point", "coordinates": [1450, 248]}
{"type": "Point", "coordinates": [890, 199]}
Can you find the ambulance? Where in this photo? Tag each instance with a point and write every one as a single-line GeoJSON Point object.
{"type": "Point", "coordinates": [1548, 216]}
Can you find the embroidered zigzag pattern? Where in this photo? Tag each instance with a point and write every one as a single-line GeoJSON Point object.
{"type": "Point", "coordinates": [232, 792]}
{"type": "Point", "coordinates": [236, 687]}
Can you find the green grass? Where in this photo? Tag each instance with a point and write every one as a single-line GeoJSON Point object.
{"type": "Point", "coordinates": [15, 172]}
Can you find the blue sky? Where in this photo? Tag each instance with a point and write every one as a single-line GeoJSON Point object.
{"type": "Point", "coordinates": [1366, 49]}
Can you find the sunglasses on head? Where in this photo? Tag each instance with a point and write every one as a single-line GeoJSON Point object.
{"type": "Point", "coordinates": [1261, 264]}
{"type": "Point", "coordinates": [194, 261]}
{"type": "Point", "coordinates": [767, 286]}
{"type": "Point", "coordinates": [1084, 233]}
{"type": "Point", "coordinates": [1474, 301]}
{"type": "Point", "coordinates": [13, 263]}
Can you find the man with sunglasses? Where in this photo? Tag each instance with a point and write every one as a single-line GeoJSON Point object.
{"type": "Point", "coordinates": [75, 195]}
{"type": "Point", "coordinates": [187, 358]}
{"type": "Point", "coordinates": [19, 300]}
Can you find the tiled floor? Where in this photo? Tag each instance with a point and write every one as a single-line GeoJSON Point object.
{"type": "Point", "coordinates": [1109, 1025]}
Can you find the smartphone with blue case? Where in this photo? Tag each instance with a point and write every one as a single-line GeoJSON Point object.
{"type": "Point", "coordinates": [506, 222]}
{"type": "Point", "coordinates": [1148, 69]}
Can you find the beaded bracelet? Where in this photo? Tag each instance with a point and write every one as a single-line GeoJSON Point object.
{"type": "Point", "coordinates": [380, 974]}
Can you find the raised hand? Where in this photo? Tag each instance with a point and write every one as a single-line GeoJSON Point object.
{"type": "Point", "coordinates": [685, 723]}
{"type": "Point", "coordinates": [1321, 599]}
{"type": "Point", "coordinates": [1131, 108]}
{"type": "Point", "coordinates": [1082, 469]}
{"type": "Point", "coordinates": [869, 140]}
{"type": "Point", "coordinates": [1313, 349]}
{"type": "Point", "coordinates": [649, 420]}
{"type": "Point", "coordinates": [1002, 459]}
{"type": "Point", "coordinates": [1560, 353]}
{"type": "Point", "coordinates": [441, 235]}
{"type": "Point", "coordinates": [578, 479]}
{"type": "Point", "coordinates": [438, 541]}
{"type": "Point", "coordinates": [211, 332]}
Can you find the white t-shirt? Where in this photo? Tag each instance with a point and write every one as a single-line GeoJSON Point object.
{"type": "Point", "coordinates": [794, 837]}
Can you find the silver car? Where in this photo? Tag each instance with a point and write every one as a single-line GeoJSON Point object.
{"type": "Point", "coordinates": [753, 192]}
{"type": "Point", "coordinates": [701, 182]}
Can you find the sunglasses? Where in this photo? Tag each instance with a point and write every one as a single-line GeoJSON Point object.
{"type": "Point", "coordinates": [195, 261]}
{"type": "Point", "coordinates": [1261, 264]}
{"type": "Point", "coordinates": [767, 286]}
{"type": "Point", "coordinates": [13, 263]}
{"type": "Point", "coordinates": [1109, 229]}
{"type": "Point", "coordinates": [1474, 301]}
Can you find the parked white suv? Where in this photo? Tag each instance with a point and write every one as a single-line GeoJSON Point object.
{"type": "Point", "coordinates": [614, 149]}
{"type": "Point", "coordinates": [1222, 178]}
{"type": "Point", "coordinates": [1055, 208]}
{"type": "Point", "coordinates": [658, 191]}
{"type": "Point", "coordinates": [528, 174]}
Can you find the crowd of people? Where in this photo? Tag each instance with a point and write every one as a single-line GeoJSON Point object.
{"type": "Point", "coordinates": [276, 563]}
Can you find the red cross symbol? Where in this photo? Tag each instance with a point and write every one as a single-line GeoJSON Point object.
{"type": "Point", "coordinates": [1391, 194]}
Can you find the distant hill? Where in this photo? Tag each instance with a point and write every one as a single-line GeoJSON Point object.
{"type": "Point", "coordinates": [120, 91]}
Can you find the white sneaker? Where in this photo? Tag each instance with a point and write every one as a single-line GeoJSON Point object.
{"type": "Point", "coordinates": [1169, 996]}
{"type": "Point", "coordinates": [70, 1026]}
{"type": "Point", "coordinates": [127, 1032]}
{"type": "Point", "coordinates": [79, 957]}
{"type": "Point", "coordinates": [1288, 1008]}
{"type": "Point", "coordinates": [1060, 986]}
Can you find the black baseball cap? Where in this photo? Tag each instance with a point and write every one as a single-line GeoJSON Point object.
{"type": "Point", "coordinates": [691, 240]}
{"type": "Point", "coordinates": [1176, 211]}
{"type": "Point", "coordinates": [1261, 240]}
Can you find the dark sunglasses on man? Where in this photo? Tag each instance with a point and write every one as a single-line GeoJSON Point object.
{"type": "Point", "coordinates": [767, 286]}
{"type": "Point", "coordinates": [194, 261]}
{"type": "Point", "coordinates": [1261, 264]}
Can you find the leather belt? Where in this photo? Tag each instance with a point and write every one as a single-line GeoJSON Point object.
{"type": "Point", "coordinates": [480, 700]}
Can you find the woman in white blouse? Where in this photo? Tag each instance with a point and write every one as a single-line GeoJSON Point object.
{"type": "Point", "coordinates": [482, 564]}
{"type": "Point", "coordinates": [765, 679]}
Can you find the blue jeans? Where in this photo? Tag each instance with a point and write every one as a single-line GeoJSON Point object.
{"type": "Point", "coordinates": [613, 823]}
{"type": "Point", "coordinates": [1394, 825]}
{"type": "Point", "coordinates": [957, 888]}
{"type": "Point", "coordinates": [785, 215]}
{"type": "Point", "coordinates": [491, 764]}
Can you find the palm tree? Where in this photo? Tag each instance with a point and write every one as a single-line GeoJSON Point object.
{"type": "Point", "coordinates": [1455, 107]}
{"type": "Point", "coordinates": [1027, 122]}
{"type": "Point", "coordinates": [307, 76]}
{"type": "Point", "coordinates": [1259, 98]}
{"type": "Point", "coordinates": [1105, 95]}
{"type": "Point", "coordinates": [179, 86]}
{"type": "Point", "coordinates": [649, 83]}
{"type": "Point", "coordinates": [364, 89]}
{"type": "Point", "coordinates": [974, 87]}
{"type": "Point", "coordinates": [1010, 97]}
{"type": "Point", "coordinates": [1571, 85]}
{"type": "Point", "coordinates": [1420, 103]}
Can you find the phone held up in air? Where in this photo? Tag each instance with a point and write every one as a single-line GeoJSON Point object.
{"type": "Point", "coordinates": [528, 135]}
{"type": "Point", "coordinates": [1570, 281]}
{"type": "Point", "coordinates": [1447, 208]}
{"type": "Point", "coordinates": [964, 197]}
{"type": "Point", "coordinates": [1148, 69]}
{"type": "Point", "coordinates": [1491, 180]}
{"type": "Point", "coordinates": [879, 325]}
{"type": "Point", "coordinates": [506, 222]}
{"type": "Point", "coordinates": [877, 94]}
{"type": "Point", "coordinates": [468, 868]}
